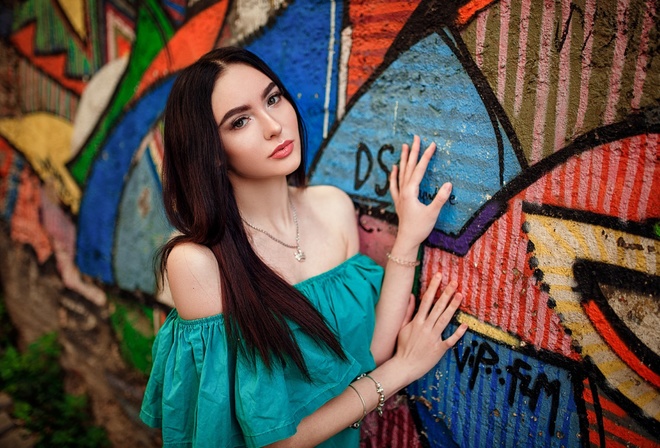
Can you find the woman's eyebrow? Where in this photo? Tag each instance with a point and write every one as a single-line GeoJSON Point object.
{"type": "Point", "coordinates": [240, 109]}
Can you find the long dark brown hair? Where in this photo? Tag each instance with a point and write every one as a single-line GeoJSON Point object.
{"type": "Point", "coordinates": [199, 201]}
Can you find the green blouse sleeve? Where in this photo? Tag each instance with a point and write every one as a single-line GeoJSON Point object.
{"type": "Point", "coordinates": [202, 394]}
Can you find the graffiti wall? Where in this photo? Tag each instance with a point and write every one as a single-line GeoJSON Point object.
{"type": "Point", "coordinates": [546, 115]}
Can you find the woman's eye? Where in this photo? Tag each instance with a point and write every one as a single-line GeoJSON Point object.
{"type": "Point", "coordinates": [239, 123]}
{"type": "Point", "coordinates": [274, 99]}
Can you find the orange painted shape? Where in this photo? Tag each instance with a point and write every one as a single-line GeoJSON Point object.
{"type": "Point", "coordinates": [124, 45]}
{"type": "Point", "coordinates": [53, 65]}
{"type": "Point", "coordinates": [192, 40]}
{"type": "Point", "coordinates": [25, 222]}
{"type": "Point", "coordinates": [617, 345]}
{"type": "Point", "coordinates": [388, 18]}
{"type": "Point", "coordinates": [468, 11]}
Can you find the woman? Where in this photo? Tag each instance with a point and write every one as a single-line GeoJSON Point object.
{"type": "Point", "coordinates": [277, 316]}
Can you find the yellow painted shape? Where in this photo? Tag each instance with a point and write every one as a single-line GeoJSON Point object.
{"type": "Point", "coordinates": [488, 330]}
{"type": "Point", "coordinates": [558, 244]}
{"type": "Point", "coordinates": [44, 139]}
{"type": "Point", "coordinates": [74, 10]}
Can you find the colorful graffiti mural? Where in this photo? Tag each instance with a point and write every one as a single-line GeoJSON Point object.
{"type": "Point", "coordinates": [546, 116]}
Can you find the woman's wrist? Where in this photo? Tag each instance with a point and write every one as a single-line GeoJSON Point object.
{"type": "Point", "coordinates": [394, 375]}
{"type": "Point", "coordinates": [403, 254]}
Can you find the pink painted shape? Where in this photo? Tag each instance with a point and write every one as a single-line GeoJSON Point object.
{"type": "Point", "coordinates": [543, 81]}
{"type": "Point", "coordinates": [587, 44]}
{"type": "Point", "coordinates": [62, 232]}
{"type": "Point", "coordinates": [376, 238]}
{"type": "Point", "coordinates": [643, 56]}
{"type": "Point", "coordinates": [25, 222]}
{"type": "Point", "coordinates": [482, 20]}
{"type": "Point", "coordinates": [618, 60]}
{"type": "Point", "coordinates": [505, 16]}
{"type": "Point", "coordinates": [522, 55]}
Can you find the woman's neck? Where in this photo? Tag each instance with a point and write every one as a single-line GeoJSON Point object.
{"type": "Point", "coordinates": [264, 203]}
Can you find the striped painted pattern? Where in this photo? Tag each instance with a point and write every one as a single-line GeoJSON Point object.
{"type": "Point", "coordinates": [548, 62]}
{"type": "Point", "coordinates": [498, 284]}
{"type": "Point", "coordinates": [619, 430]}
{"type": "Point", "coordinates": [558, 244]}
{"type": "Point", "coordinates": [375, 25]}
{"type": "Point", "coordinates": [39, 93]}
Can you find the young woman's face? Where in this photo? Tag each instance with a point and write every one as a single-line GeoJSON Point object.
{"type": "Point", "coordinates": [258, 126]}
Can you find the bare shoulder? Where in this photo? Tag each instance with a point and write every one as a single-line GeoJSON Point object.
{"type": "Point", "coordinates": [194, 281]}
{"type": "Point", "coordinates": [333, 200]}
{"type": "Point", "coordinates": [337, 211]}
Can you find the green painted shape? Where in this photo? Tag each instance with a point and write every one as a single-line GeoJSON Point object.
{"type": "Point", "coordinates": [53, 36]}
{"type": "Point", "coordinates": [153, 31]}
{"type": "Point", "coordinates": [134, 345]}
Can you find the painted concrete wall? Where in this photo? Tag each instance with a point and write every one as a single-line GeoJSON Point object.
{"type": "Point", "coordinates": [546, 114]}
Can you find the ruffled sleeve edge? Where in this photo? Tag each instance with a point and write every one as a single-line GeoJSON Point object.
{"type": "Point", "coordinates": [289, 429]}
{"type": "Point", "coordinates": [149, 420]}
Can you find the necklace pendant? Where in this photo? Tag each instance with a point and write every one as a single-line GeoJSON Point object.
{"type": "Point", "coordinates": [300, 255]}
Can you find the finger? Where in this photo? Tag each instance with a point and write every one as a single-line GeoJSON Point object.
{"type": "Point", "coordinates": [409, 311]}
{"type": "Point", "coordinates": [394, 184]}
{"type": "Point", "coordinates": [442, 196]}
{"type": "Point", "coordinates": [420, 169]}
{"type": "Point", "coordinates": [442, 302]}
{"type": "Point", "coordinates": [403, 162]}
{"type": "Point", "coordinates": [427, 298]}
{"type": "Point", "coordinates": [455, 336]}
{"type": "Point", "coordinates": [412, 158]}
{"type": "Point", "coordinates": [445, 317]}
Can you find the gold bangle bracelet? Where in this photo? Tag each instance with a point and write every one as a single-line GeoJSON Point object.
{"type": "Point", "coordinates": [356, 425]}
{"type": "Point", "coordinates": [399, 261]}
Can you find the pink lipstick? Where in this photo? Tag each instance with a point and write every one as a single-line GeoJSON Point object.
{"type": "Point", "coordinates": [283, 149]}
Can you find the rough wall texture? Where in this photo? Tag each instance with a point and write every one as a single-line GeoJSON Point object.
{"type": "Point", "coordinates": [546, 115]}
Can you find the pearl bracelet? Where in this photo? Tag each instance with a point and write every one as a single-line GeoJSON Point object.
{"type": "Point", "coordinates": [399, 261]}
{"type": "Point", "coordinates": [379, 390]}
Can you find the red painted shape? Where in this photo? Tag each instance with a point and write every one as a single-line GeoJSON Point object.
{"type": "Point", "coordinates": [469, 10]}
{"type": "Point", "coordinates": [610, 336]}
{"type": "Point", "coordinates": [375, 24]}
{"type": "Point", "coordinates": [6, 162]}
{"type": "Point", "coordinates": [190, 42]}
{"type": "Point", "coordinates": [629, 174]}
{"type": "Point", "coordinates": [614, 430]}
{"type": "Point", "coordinates": [53, 65]}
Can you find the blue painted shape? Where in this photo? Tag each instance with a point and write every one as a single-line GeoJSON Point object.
{"type": "Point", "coordinates": [100, 203]}
{"type": "Point", "coordinates": [142, 228]}
{"type": "Point", "coordinates": [10, 184]}
{"type": "Point", "coordinates": [426, 91]}
{"type": "Point", "coordinates": [296, 48]}
{"type": "Point", "coordinates": [485, 394]}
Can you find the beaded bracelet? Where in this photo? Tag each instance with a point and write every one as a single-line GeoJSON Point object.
{"type": "Point", "coordinates": [379, 390]}
{"type": "Point", "coordinates": [407, 263]}
{"type": "Point", "coordinates": [356, 425]}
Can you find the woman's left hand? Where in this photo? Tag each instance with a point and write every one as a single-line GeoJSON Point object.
{"type": "Point", "coordinates": [416, 219]}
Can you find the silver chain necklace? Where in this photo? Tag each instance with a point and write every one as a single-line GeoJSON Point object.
{"type": "Point", "coordinates": [299, 254]}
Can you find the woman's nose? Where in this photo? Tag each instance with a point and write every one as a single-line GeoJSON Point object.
{"type": "Point", "coordinates": [272, 127]}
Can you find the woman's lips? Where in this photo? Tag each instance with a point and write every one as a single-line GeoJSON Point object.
{"type": "Point", "coordinates": [282, 150]}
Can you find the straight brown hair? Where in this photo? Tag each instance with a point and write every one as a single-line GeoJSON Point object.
{"type": "Point", "coordinates": [199, 202]}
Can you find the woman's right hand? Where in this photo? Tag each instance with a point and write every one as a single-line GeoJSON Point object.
{"type": "Point", "coordinates": [420, 345]}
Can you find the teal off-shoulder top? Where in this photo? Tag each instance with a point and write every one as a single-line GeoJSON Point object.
{"type": "Point", "coordinates": [203, 395]}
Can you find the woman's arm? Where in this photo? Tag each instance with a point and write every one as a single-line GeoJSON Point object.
{"type": "Point", "coordinates": [420, 347]}
{"type": "Point", "coordinates": [416, 221]}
